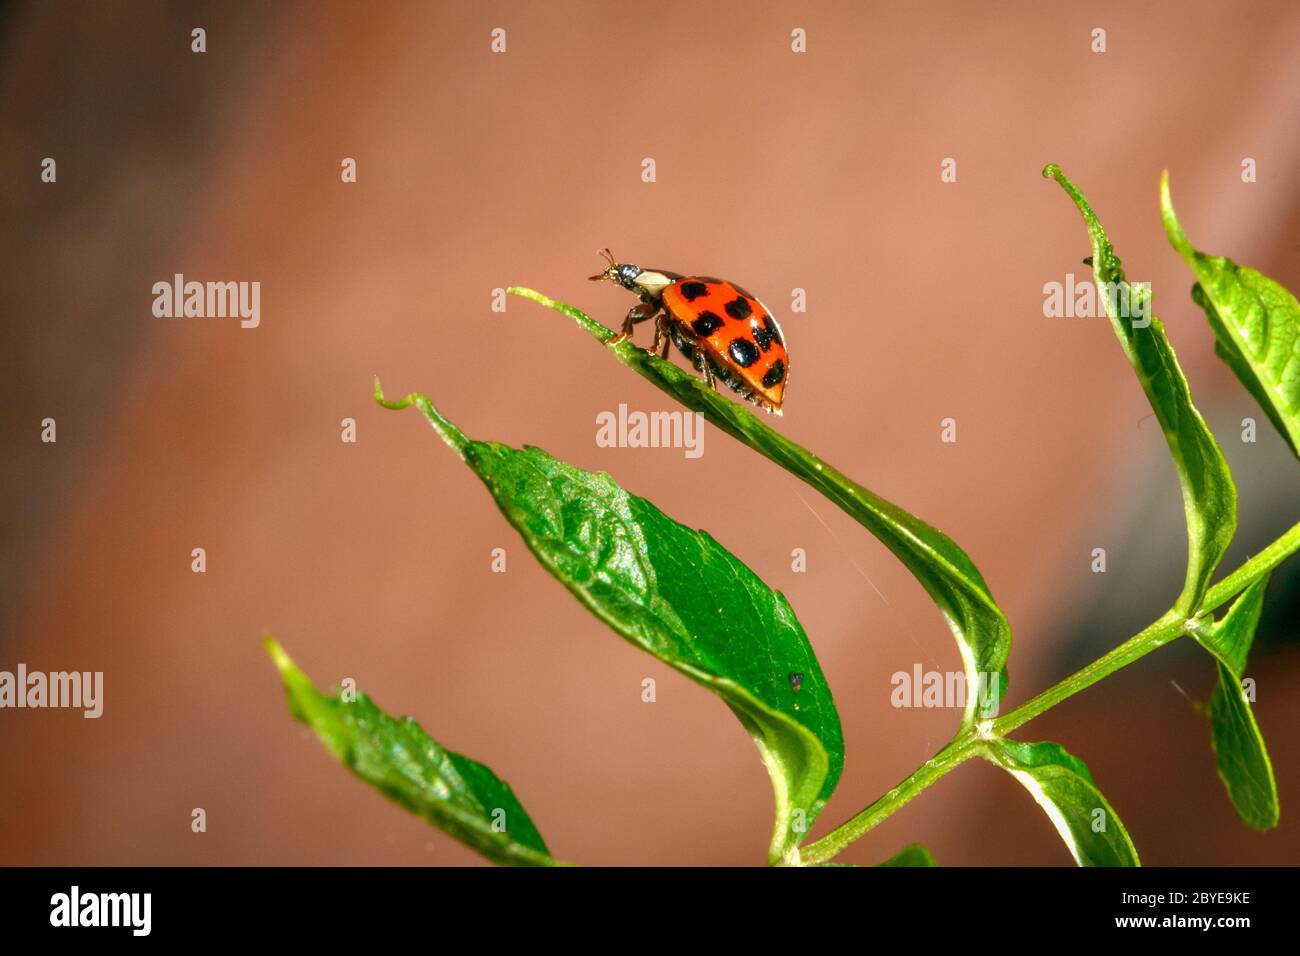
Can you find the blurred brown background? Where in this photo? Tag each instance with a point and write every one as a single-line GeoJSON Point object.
{"type": "Point", "coordinates": [479, 170]}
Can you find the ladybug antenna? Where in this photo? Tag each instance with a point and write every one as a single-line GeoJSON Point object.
{"type": "Point", "coordinates": [608, 273]}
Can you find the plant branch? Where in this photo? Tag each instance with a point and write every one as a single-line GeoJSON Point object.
{"type": "Point", "coordinates": [1170, 627]}
{"type": "Point", "coordinates": [967, 743]}
{"type": "Point", "coordinates": [958, 751]}
{"type": "Point", "coordinates": [940, 566]}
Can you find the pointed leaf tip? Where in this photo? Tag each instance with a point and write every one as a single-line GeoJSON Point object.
{"type": "Point", "coordinates": [1256, 325]}
{"type": "Point", "coordinates": [459, 796]}
{"type": "Point", "coordinates": [1209, 495]}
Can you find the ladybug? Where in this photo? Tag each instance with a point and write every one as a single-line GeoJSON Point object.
{"type": "Point", "coordinates": [721, 329]}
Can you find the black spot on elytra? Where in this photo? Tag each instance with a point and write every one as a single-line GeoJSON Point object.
{"type": "Point", "coordinates": [739, 308]}
{"type": "Point", "coordinates": [743, 352]}
{"type": "Point", "coordinates": [693, 290]}
{"type": "Point", "coordinates": [766, 333]}
{"type": "Point", "coordinates": [774, 375]}
{"type": "Point", "coordinates": [706, 324]}
{"type": "Point", "coordinates": [772, 330]}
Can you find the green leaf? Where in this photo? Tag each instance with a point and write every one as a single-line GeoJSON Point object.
{"type": "Point", "coordinates": [913, 855]}
{"type": "Point", "coordinates": [1061, 784]}
{"type": "Point", "coordinates": [1240, 754]}
{"type": "Point", "coordinates": [1227, 350]}
{"type": "Point", "coordinates": [1239, 750]}
{"type": "Point", "coordinates": [1209, 496]}
{"type": "Point", "coordinates": [1256, 325]}
{"type": "Point", "coordinates": [943, 569]}
{"type": "Point", "coordinates": [459, 796]}
{"type": "Point", "coordinates": [679, 595]}
{"type": "Point", "coordinates": [1229, 640]}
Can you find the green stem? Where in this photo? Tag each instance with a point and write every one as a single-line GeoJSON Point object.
{"type": "Point", "coordinates": [1253, 570]}
{"type": "Point", "coordinates": [449, 433]}
{"type": "Point", "coordinates": [1168, 628]}
{"type": "Point", "coordinates": [958, 751]}
{"type": "Point", "coordinates": [967, 743]}
{"type": "Point", "coordinates": [1156, 635]}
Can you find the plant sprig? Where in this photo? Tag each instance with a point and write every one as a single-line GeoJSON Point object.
{"type": "Point", "coordinates": [679, 595]}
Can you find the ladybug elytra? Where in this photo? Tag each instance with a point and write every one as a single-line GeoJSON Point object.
{"type": "Point", "coordinates": [723, 331]}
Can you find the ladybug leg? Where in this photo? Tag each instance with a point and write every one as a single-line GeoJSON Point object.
{"type": "Point", "coordinates": [638, 313]}
{"type": "Point", "coordinates": [702, 366]}
{"type": "Point", "coordinates": [661, 336]}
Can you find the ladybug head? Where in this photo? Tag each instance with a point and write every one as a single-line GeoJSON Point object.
{"type": "Point", "coordinates": [621, 272]}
